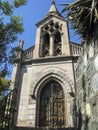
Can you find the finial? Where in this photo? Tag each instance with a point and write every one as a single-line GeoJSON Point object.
{"type": "Point", "coordinates": [21, 42]}
{"type": "Point", "coordinates": [53, 1]}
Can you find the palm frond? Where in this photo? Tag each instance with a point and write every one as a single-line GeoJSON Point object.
{"type": "Point", "coordinates": [83, 15]}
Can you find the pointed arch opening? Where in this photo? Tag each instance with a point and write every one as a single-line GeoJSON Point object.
{"type": "Point", "coordinates": [57, 38]}
{"type": "Point", "coordinates": [52, 106]}
{"type": "Point", "coordinates": [46, 44]}
{"type": "Point", "coordinates": [46, 39]}
{"type": "Point", "coordinates": [57, 43]}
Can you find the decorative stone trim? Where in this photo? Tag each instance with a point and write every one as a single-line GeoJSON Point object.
{"type": "Point", "coordinates": [54, 73]}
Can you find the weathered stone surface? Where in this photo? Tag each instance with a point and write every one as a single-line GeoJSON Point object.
{"type": "Point", "coordinates": [88, 110]}
{"type": "Point", "coordinates": [91, 52]}
{"type": "Point", "coordinates": [94, 82]}
{"type": "Point", "coordinates": [85, 59]}
{"type": "Point", "coordinates": [90, 71]}
{"type": "Point", "coordinates": [96, 63]}
{"type": "Point", "coordinates": [89, 89]}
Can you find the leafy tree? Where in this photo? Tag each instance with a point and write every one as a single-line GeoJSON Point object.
{"type": "Point", "coordinates": [4, 83]}
{"type": "Point", "coordinates": [10, 27]}
{"type": "Point", "coordinates": [83, 14]}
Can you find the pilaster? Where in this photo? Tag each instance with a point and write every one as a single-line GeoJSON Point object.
{"type": "Point", "coordinates": [51, 45]}
{"type": "Point", "coordinates": [41, 46]}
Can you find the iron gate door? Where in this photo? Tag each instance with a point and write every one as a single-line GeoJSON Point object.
{"type": "Point", "coordinates": [52, 108]}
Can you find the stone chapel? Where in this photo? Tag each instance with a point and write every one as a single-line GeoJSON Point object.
{"type": "Point", "coordinates": [44, 75]}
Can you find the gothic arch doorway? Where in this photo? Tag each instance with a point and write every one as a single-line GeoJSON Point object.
{"type": "Point", "coordinates": [52, 106]}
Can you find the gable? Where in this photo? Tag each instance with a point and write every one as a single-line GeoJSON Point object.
{"type": "Point", "coordinates": [48, 18]}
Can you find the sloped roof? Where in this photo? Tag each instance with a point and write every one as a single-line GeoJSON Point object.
{"type": "Point", "coordinates": [52, 12]}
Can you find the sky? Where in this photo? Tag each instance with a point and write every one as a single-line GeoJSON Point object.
{"type": "Point", "coordinates": [33, 12]}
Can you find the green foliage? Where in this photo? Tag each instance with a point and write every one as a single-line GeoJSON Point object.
{"type": "Point", "coordinates": [11, 27]}
{"type": "Point", "coordinates": [83, 14]}
{"type": "Point", "coordinates": [4, 83]}
{"type": "Point", "coordinates": [5, 8]}
{"type": "Point", "coordinates": [18, 3]}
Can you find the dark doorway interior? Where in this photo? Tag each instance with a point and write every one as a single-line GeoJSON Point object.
{"type": "Point", "coordinates": [52, 108]}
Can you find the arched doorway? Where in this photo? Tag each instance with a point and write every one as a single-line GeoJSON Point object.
{"type": "Point", "coordinates": [52, 106]}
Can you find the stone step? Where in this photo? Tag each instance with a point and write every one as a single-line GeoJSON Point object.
{"type": "Point", "coordinates": [28, 128]}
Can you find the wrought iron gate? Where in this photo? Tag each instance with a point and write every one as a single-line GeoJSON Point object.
{"type": "Point", "coordinates": [7, 109]}
{"type": "Point", "coordinates": [52, 109]}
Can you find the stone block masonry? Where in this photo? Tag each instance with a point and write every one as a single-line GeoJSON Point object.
{"type": "Point", "coordinates": [87, 88]}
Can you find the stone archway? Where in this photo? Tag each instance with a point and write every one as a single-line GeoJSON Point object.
{"type": "Point", "coordinates": [52, 72]}
{"type": "Point", "coordinates": [58, 75]}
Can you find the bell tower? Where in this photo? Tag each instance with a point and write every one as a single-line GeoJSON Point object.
{"type": "Point", "coordinates": [52, 35]}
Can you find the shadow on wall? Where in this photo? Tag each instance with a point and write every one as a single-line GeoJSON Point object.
{"type": "Point", "coordinates": [81, 122]}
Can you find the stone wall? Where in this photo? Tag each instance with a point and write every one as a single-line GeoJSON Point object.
{"type": "Point", "coordinates": [31, 79]}
{"type": "Point", "coordinates": [87, 88]}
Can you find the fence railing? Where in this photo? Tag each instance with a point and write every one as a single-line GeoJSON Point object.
{"type": "Point", "coordinates": [28, 54]}
{"type": "Point", "coordinates": [76, 49]}
{"type": "Point", "coordinates": [7, 110]}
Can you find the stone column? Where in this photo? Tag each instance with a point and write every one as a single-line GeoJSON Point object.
{"type": "Point", "coordinates": [64, 45]}
{"type": "Point", "coordinates": [15, 80]}
{"type": "Point", "coordinates": [51, 45]}
{"type": "Point", "coordinates": [41, 46]}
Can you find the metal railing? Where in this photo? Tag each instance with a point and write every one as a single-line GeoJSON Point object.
{"type": "Point", "coordinates": [7, 109]}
